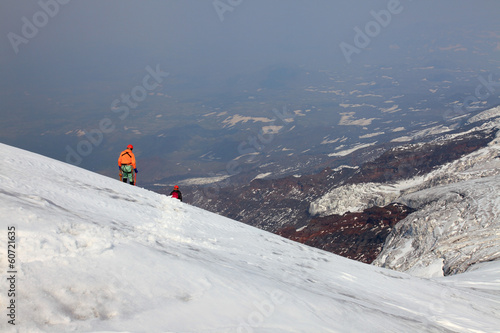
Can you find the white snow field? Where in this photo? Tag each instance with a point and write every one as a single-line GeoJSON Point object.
{"type": "Point", "coordinates": [93, 254]}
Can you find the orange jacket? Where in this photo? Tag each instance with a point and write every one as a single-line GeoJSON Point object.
{"type": "Point", "coordinates": [127, 157]}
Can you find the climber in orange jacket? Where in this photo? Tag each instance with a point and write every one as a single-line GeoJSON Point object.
{"type": "Point", "coordinates": [126, 163]}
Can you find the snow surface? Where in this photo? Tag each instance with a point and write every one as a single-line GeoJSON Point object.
{"type": "Point", "coordinates": [351, 150]}
{"type": "Point", "coordinates": [97, 255]}
{"type": "Point", "coordinates": [487, 114]}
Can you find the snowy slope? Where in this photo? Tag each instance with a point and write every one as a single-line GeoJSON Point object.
{"type": "Point", "coordinates": [97, 255]}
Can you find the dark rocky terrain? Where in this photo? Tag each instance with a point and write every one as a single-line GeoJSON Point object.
{"type": "Point", "coordinates": [357, 236]}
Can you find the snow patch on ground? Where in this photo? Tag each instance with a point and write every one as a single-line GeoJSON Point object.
{"type": "Point", "coordinates": [262, 175]}
{"type": "Point", "coordinates": [349, 151]}
{"type": "Point", "coordinates": [198, 181]}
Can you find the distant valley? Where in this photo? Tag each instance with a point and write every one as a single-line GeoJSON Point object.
{"type": "Point", "coordinates": [267, 122]}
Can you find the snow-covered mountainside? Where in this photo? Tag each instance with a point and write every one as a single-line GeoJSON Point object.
{"type": "Point", "coordinates": [96, 255]}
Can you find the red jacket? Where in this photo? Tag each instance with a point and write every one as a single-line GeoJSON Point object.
{"type": "Point", "coordinates": [179, 194]}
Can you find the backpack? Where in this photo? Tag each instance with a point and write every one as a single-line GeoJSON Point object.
{"type": "Point", "coordinates": [175, 194]}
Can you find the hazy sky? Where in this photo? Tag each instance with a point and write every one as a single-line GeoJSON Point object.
{"type": "Point", "coordinates": [78, 41]}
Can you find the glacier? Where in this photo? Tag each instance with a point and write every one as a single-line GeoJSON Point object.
{"type": "Point", "coordinates": [456, 226]}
